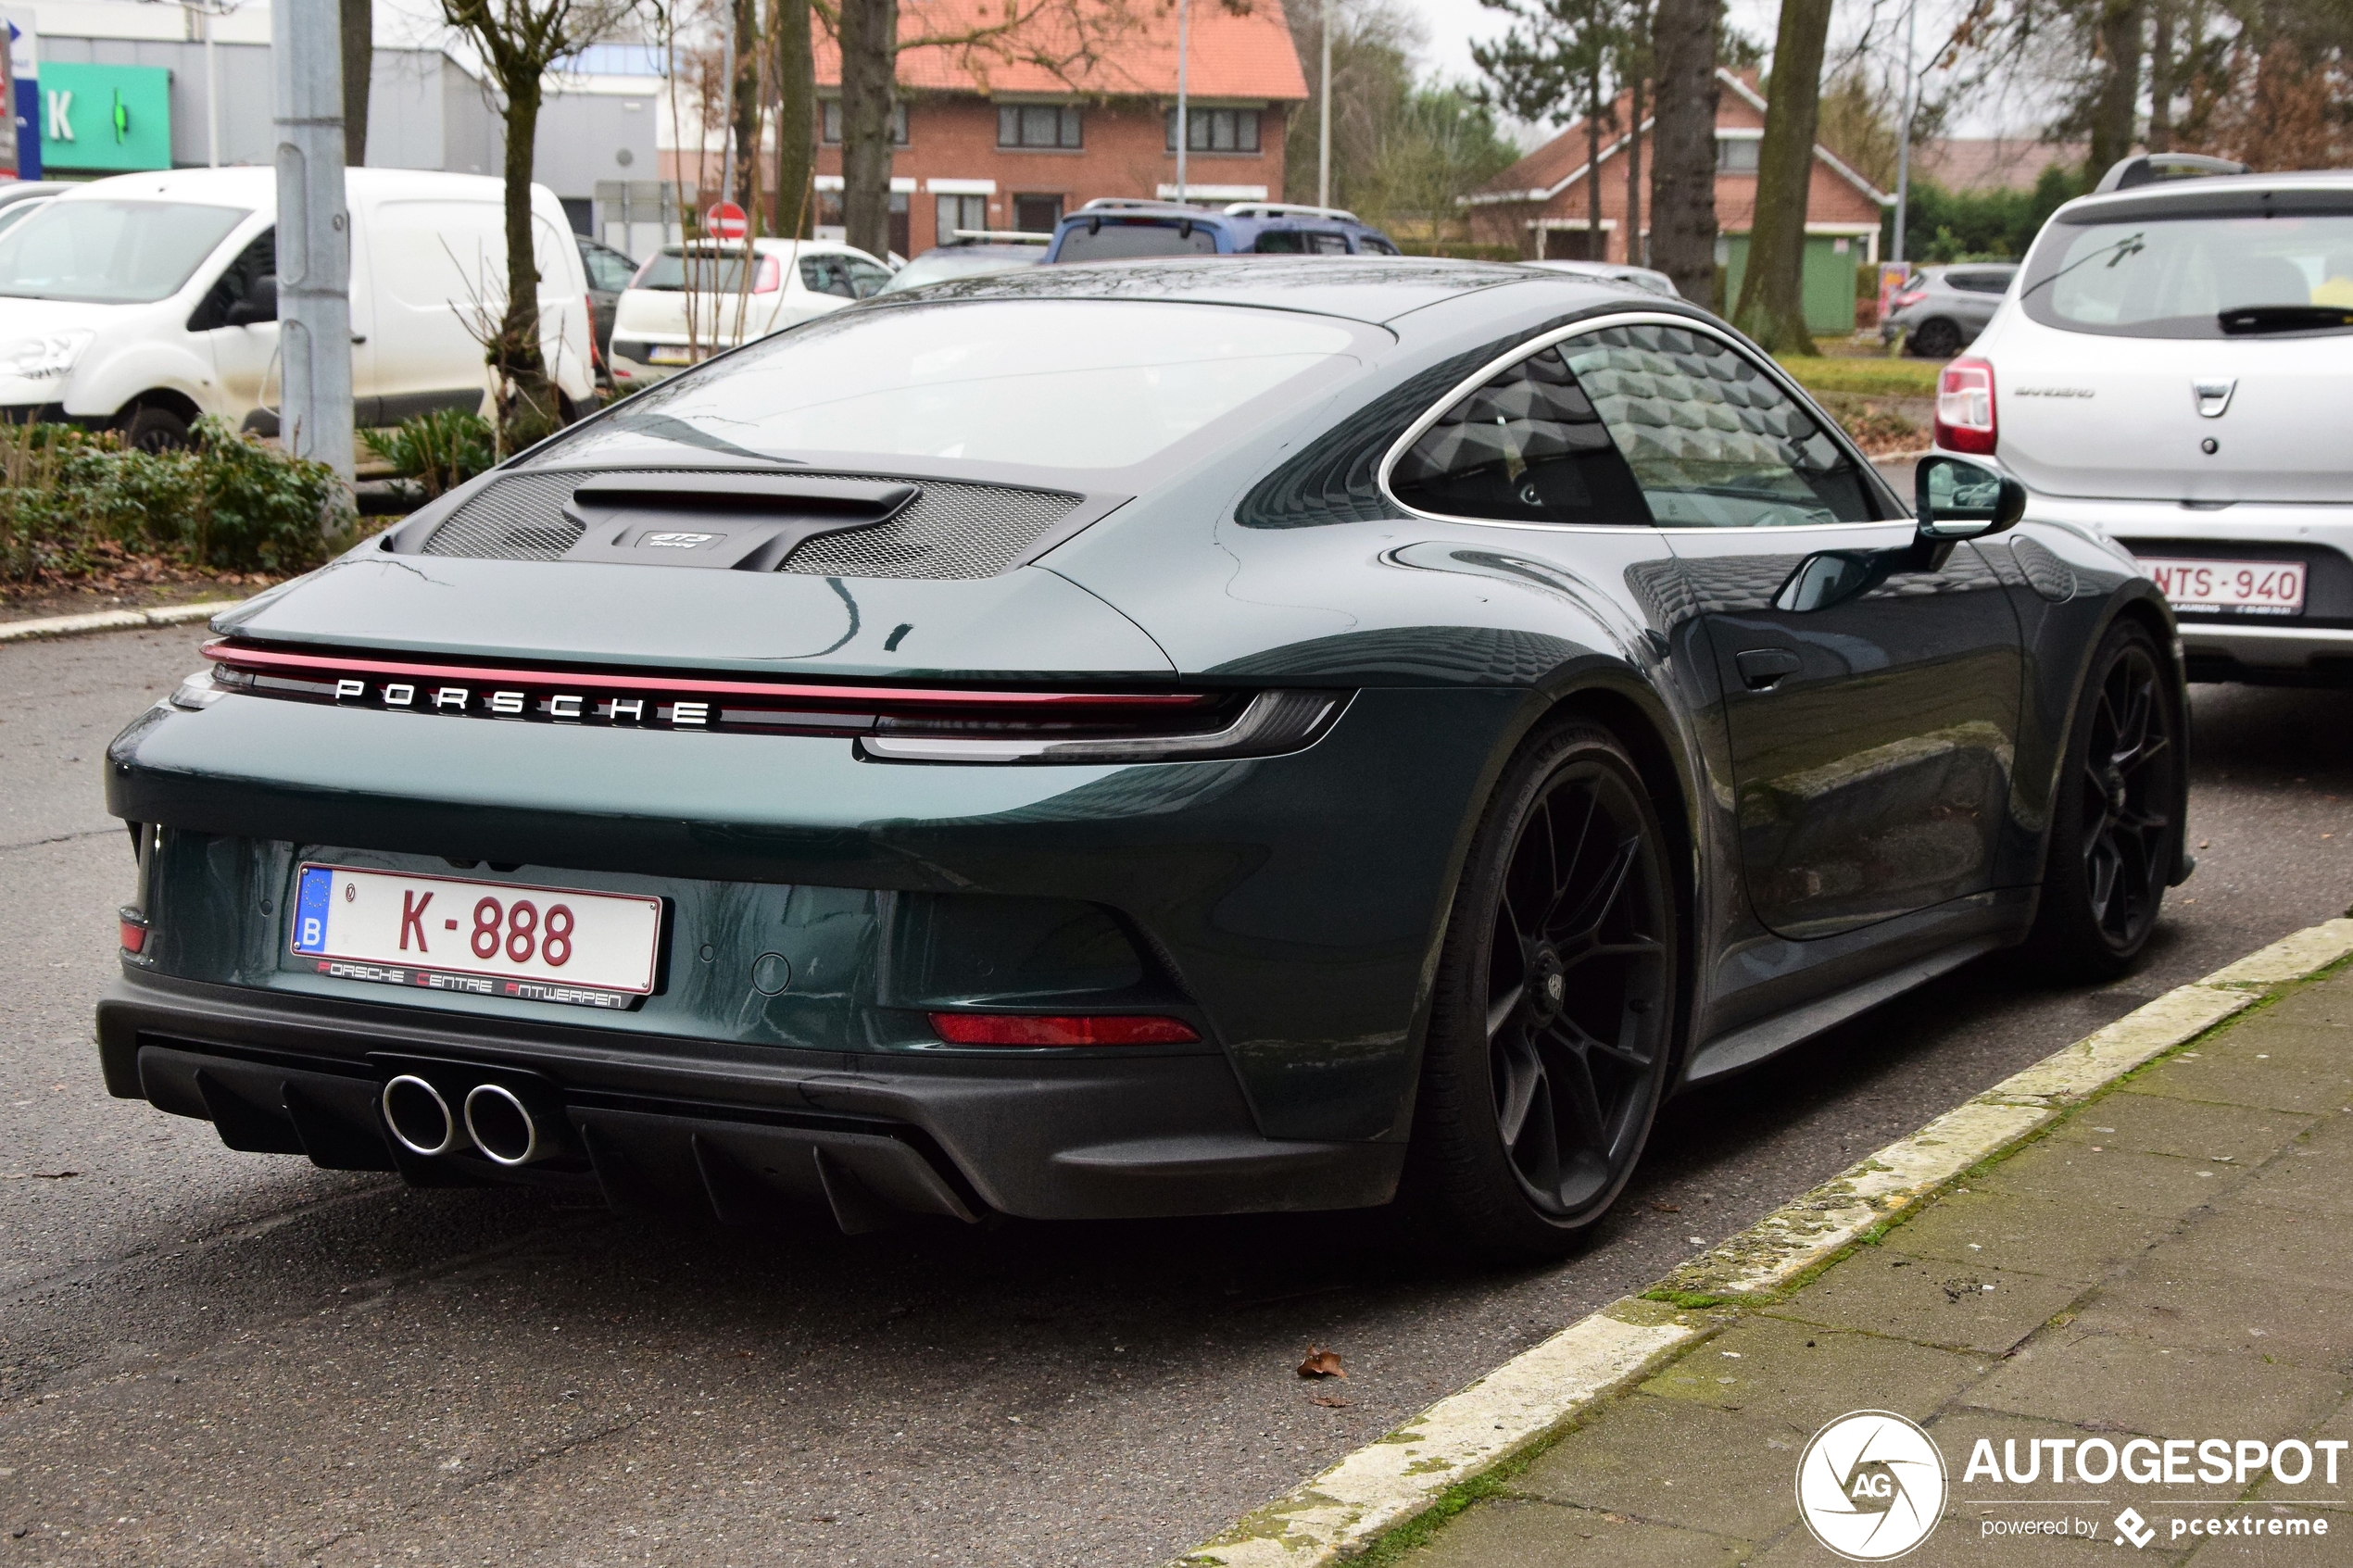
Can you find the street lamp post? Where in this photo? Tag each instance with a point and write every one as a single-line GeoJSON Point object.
{"type": "Point", "coordinates": [1324, 133]}
{"type": "Point", "coordinates": [314, 234]}
{"type": "Point", "coordinates": [1184, 131]}
{"type": "Point", "coordinates": [1903, 141]}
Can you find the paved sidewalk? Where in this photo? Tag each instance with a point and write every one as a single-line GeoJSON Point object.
{"type": "Point", "coordinates": [2170, 1261]}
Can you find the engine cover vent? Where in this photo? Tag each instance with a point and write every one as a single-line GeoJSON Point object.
{"type": "Point", "coordinates": [951, 530]}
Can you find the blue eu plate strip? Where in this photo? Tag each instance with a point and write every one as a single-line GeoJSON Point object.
{"type": "Point", "coordinates": [310, 908]}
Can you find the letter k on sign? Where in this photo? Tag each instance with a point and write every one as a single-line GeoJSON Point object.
{"type": "Point", "coordinates": [412, 917]}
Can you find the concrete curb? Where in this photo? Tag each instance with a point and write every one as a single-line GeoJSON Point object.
{"type": "Point", "coordinates": [111, 620]}
{"type": "Point", "coordinates": [1529, 1399]}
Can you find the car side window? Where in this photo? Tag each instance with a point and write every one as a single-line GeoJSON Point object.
{"type": "Point", "coordinates": [1375, 244]}
{"type": "Point", "coordinates": [1712, 440]}
{"type": "Point", "coordinates": [1528, 447]}
{"type": "Point", "coordinates": [825, 274]}
{"type": "Point", "coordinates": [1324, 244]}
{"type": "Point", "coordinates": [258, 261]}
{"type": "Point", "coordinates": [1281, 241]}
{"type": "Point", "coordinates": [608, 270]}
{"type": "Point", "coordinates": [867, 279]}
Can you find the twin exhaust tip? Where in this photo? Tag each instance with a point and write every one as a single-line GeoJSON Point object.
{"type": "Point", "coordinates": [494, 1119]}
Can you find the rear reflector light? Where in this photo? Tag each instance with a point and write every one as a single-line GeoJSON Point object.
{"type": "Point", "coordinates": [133, 927]}
{"type": "Point", "coordinates": [1906, 301]}
{"type": "Point", "coordinates": [1965, 406]}
{"type": "Point", "coordinates": [770, 278]}
{"type": "Point", "coordinates": [1060, 1029]}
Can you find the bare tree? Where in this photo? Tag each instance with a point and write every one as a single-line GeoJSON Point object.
{"type": "Point", "coordinates": [1772, 302]}
{"type": "Point", "coordinates": [796, 90]}
{"type": "Point", "coordinates": [1064, 37]}
{"type": "Point", "coordinates": [520, 40]}
{"type": "Point", "coordinates": [1683, 146]}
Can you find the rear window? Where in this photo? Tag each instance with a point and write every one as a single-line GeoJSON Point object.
{"type": "Point", "coordinates": [1046, 383]}
{"type": "Point", "coordinates": [2194, 277]}
{"type": "Point", "coordinates": [701, 272]}
{"type": "Point", "coordinates": [1117, 239]}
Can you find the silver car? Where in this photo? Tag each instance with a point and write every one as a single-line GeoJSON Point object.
{"type": "Point", "coordinates": [1943, 308]}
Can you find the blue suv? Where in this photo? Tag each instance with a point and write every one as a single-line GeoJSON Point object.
{"type": "Point", "coordinates": [1111, 229]}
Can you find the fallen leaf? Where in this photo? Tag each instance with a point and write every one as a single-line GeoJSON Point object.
{"type": "Point", "coordinates": [1321, 1362]}
{"type": "Point", "coordinates": [52, 1175]}
{"type": "Point", "coordinates": [1669, 1208]}
{"type": "Point", "coordinates": [1329, 1402]}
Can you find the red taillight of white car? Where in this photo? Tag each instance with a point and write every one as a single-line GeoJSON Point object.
{"type": "Point", "coordinates": [1965, 406]}
{"type": "Point", "coordinates": [1907, 300]}
{"type": "Point", "coordinates": [770, 278]}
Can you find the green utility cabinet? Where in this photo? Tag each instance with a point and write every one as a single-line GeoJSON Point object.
{"type": "Point", "coordinates": [1829, 280]}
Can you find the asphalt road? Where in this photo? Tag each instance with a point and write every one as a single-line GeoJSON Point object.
{"type": "Point", "coordinates": [213, 1358]}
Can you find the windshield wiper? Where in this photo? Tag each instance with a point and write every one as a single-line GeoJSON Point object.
{"type": "Point", "coordinates": [2243, 319]}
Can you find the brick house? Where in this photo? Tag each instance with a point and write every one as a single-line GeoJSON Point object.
{"type": "Point", "coordinates": [987, 144]}
{"type": "Point", "coordinates": [1540, 203]}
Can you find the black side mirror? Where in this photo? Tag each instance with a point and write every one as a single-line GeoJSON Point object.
{"type": "Point", "coordinates": [261, 303]}
{"type": "Point", "coordinates": [1961, 500]}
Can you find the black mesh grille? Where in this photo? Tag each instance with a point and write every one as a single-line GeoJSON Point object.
{"type": "Point", "coordinates": [951, 530]}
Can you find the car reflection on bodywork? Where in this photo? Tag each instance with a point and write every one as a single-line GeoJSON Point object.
{"type": "Point", "coordinates": [1154, 738]}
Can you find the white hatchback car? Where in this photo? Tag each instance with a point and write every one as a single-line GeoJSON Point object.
{"type": "Point", "coordinates": [689, 301]}
{"type": "Point", "coordinates": [2174, 371]}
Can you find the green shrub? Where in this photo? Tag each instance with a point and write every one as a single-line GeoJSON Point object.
{"type": "Point", "coordinates": [438, 451]}
{"type": "Point", "coordinates": [75, 501]}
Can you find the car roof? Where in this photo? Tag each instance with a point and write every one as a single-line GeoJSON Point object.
{"type": "Point", "coordinates": [256, 185]}
{"type": "Point", "coordinates": [2214, 193]}
{"type": "Point", "coordinates": [1025, 252]}
{"type": "Point", "coordinates": [1210, 217]}
{"type": "Point", "coordinates": [1361, 288]}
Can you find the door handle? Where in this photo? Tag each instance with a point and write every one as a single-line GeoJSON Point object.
{"type": "Point", "coordinates": [1762, 668]}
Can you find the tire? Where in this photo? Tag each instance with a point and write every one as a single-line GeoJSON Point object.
{"type": "Point", "coordinates": [1554, 1018]}
{"type": "Point", "coordinates": [152, 428]}
{"type": "Point", "coordinates": [2121, 789]}
{"type": "Point", "coordinates": [1936, 338]}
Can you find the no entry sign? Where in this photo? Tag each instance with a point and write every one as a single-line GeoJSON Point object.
{"type": "Point", "coordinates": [725, 221]}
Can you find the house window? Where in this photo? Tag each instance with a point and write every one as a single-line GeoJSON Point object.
{"type": "Point", "coordinates": [958, 212]}
{"type": "Point", "coordinates": [1737, 155]}
{"type": "Point", "coordinates": [1037, 214]}
{"type": "Point", "coordinates": [1216, 130]}
{"type": "Point", "coordinates": [1038, 125]}
{"type": "Point", "coordinates": [830, 123]}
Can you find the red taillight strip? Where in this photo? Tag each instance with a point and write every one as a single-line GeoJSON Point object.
{"type": "Point", "coordinates": [241, 656]}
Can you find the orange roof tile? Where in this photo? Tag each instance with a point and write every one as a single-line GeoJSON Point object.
{"type": "Point", "coordinates": [1120, 50]}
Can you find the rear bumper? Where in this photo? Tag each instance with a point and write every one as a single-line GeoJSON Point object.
{"type": "Point", "coordinates": [744, 1133]}
{"type": "Point", "coordinates": [2312, 648]}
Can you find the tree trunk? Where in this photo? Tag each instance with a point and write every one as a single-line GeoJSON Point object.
{"type": "Point", "coordinates": [1772, 303]}
{"type": "Point", "coordinates": [527, 408]}
{"type": "Point", "coordinates": [1683, 146]}
{"type": "Point", "coordinates": [796, 121]}
{"type": "Point", "coordinates": [2119, 84]}
{"type": "Point", "coordinates": [743, 101]}
{"type": "Point", "coordinates": [1634, 170]}
{"type": "Point", "coordinates": [2161, 85]}
{"type": "Point", "coordinates": [358, 17]}
{"type": "Point", "coordinates": [868, 65]}
{"type": "Point", "coordinates": [1595, 250]}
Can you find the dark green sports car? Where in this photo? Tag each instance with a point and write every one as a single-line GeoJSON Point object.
{"type": "Point", "coordinates": [1156, 738]}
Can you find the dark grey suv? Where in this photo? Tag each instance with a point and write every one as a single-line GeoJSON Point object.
{"type": "Point", "coordinates": [1945, 308]}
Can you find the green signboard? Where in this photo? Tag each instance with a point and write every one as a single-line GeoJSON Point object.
{"type": "Point", "coordinates": [105, 117]}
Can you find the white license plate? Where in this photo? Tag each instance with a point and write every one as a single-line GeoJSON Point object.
{"type": "Point", "coordinates": [2253, 587]}
{"type": "Point", "coordinates": [494, 938]}
{"type": "Point", "coordinates": [672, 354]}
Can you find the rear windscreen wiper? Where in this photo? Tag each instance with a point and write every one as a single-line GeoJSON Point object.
{"type": "Point", "coordinates": [2242, 319]}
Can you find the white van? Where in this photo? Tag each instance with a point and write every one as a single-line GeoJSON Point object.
{"type": "Point", "coordinates": [141, 302]}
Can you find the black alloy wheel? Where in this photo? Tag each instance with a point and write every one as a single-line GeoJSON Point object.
{"type": "Point", "coordinates": [2114, 821]}
{"type": "Point", "coordinates": [1554, 1027]}
{"type": "Point", "coordinates": [1936, 338]}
